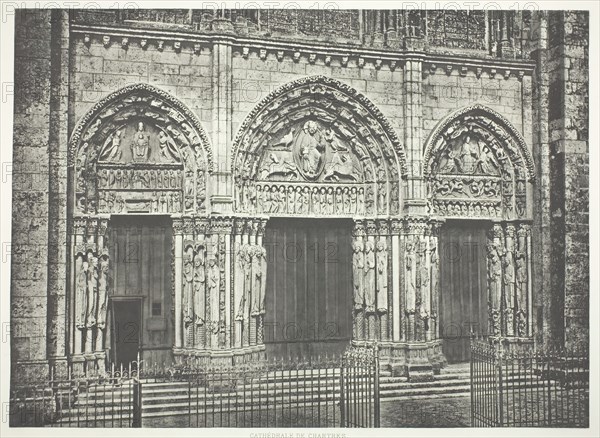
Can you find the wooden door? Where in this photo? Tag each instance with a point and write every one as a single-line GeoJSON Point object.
{"type": "Point", "coordinates": [126, 317]}
{"type": "Point", "coordinates": [141, 269]}
{"type": "Point", "coordinates": [463, 288]}
{"type": "Point", "coordinates": [309, 288]}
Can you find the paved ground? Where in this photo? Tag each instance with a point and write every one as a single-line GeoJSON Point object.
{"type": "Point", "coordinates": [436, 412]}
{"type": "Point", "coordinates": [440, 412]}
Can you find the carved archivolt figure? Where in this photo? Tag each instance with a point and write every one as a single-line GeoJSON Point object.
{"type": "Point", "coordinates": [369, 277]}
{"type": "Point", "coordinates": [199, 287]}
{"type": "Point", "coordinates": [382, 276]}
{"type": "Point", "coordinates": [358, 266]}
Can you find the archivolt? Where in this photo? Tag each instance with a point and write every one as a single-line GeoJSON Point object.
{"type": "Point", "coordinates": [162, 102]}
{"type": "Point", "coordinates": [494, 123]}
{"type": "Point", "coordinates": [358, 107]}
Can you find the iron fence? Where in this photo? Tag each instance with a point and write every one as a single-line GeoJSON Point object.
{"type": "Point", "coordinates": [330, 391]}
{"type": "Point", "coordinates": [99, 401]}
{"type": "Point", "coordinates": [534, 388]}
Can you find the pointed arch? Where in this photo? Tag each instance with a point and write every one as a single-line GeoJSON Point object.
{"type": "Point", "coordinates": [139, 149]}
{"type": "Point", "coordinates": [478, 165]}
{"type": "Point", "coordinates": [488, 118]}
{"type": "Point", "coordinates": [317, 137]}
{"type": "Point", "coordinates": [103, 108]}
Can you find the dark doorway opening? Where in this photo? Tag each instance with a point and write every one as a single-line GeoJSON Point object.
{"type": "Point", "coordinates": [309, 287]}
{"type": "Point", "coordinates": [140, 271]}
{"type": "Point", "coordinates": [463, 286]}
{"type": "Point", "coordinates": [126, 330]}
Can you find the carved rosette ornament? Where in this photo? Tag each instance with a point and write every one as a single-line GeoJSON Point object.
{"type": "Point", "coordinates": [139, 150]}
{"type": "Point", "coordinates": [316, 147]}
{"type": "Point", "coordinates": [477, 165]}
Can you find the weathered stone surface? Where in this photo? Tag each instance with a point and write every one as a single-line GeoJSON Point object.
{"type": "Point", "coordinates": [60, 78]}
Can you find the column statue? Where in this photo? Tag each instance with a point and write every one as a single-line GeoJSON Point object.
{"type": "Point", "coordinates": [382, 276]}
{"type": "Point", "coordinates": [370, 277]}
{"type": "Point", "coordinates": [358, 266]}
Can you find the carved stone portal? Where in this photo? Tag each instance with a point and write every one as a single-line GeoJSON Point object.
{"type": "Point", "coordinates": [139, 150]}
{"type": "Point", "coordinates": [317, 147]}
{"type": "Point", "coordinates": [477, 165]}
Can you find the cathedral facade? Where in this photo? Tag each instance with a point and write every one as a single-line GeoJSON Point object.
{"type": "Point", "coordinates": [233, 185]}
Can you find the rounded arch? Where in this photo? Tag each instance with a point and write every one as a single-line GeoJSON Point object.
{"type": "Point", "coordinates": [318, 140]}
{"type": "Point", "coordinates": [139, 149]}
{"type": "Point", "coordinates": [477, 164]}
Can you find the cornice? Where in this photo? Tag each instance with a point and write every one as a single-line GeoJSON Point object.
{"type": "Point", "coordinates": [378, 56]}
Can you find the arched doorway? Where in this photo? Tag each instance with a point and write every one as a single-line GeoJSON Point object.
{"type": "Point", "coordinates": [138, 161]}
{"type": "Point", "coordinates": [316, 148]}
{"type": "Point", "coordinates": [479, 177]}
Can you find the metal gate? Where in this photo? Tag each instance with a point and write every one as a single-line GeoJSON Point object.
{"type": "Point", "coordinates": [531, 388]}
{"type": "Point", "coordinates": [329, 391]}
{"type": "Point", "coordinates": [110, 400]}
{"type": "Point", "coordinates": [359, 388]}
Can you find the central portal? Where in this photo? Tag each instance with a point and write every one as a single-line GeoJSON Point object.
{"type": "Point", "coordinates": [309, 287]}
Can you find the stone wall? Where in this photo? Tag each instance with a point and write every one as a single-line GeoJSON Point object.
{"type": "Point", "coordinates": [569, 171]}
{"type": "Point", "coordinates": [30, 246]}
{"type": "Point", "coordinates": [65, 66]}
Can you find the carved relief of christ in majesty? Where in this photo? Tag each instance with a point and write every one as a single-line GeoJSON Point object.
{"type": "Point", "coordinates": [310, 149]}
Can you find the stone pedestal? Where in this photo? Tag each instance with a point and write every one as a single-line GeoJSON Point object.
{"type": "Point", "coordinates": [416, 360]}
{"type": "Point", "coordinates": [216, 358]}
{"type": "Point", "coordinates": [30, 372]}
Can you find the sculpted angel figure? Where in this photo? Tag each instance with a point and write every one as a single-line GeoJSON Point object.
{"type": "Point", "coordinates": [112, 148]}
{"type": "Point", "coordinates": [167, 147]}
